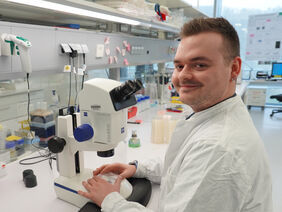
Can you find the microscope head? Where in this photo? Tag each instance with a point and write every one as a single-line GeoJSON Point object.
{"type": "Point", "coordinates": [108, 96]}
{"type": "Point", "coordinates": [103, 104]}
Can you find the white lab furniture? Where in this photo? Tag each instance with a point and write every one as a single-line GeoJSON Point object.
{"type": "Point", "coordinates": [255, 97]}
{"type": "Point", "coordinates": [258, 92]}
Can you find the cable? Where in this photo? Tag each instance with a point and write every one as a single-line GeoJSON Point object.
{"type": "Point", "coordinates": [45, 157]}
{"type": "Point", "coordinates": [28, 112]}
{"type": "Point", "coordinates": [48, 154]}
{"type": "Point", "coordinates": [76, 92]}
{"type": "Point", "coordinates": [82, 82]}
{"type": "Point", "coordinates": [69, 87]}
{"type": "Point", "coordinates": [28, 98]}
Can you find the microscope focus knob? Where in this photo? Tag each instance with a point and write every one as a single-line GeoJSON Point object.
{"type": "Point", "coordinates": [83, 133]}
{"type": "Point", "coordinates": [56, 144]}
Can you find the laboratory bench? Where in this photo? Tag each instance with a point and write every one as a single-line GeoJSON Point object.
{"type": "Point", "coordinates": [16, 197]}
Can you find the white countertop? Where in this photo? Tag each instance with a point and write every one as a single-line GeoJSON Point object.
{"type": "Point", "coordinates": [14, 196]}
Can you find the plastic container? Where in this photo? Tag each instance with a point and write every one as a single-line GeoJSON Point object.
{"type": "Point", "coordinates": [11, 147]}
{"type": "Point", "coordinates": [134, 141]}
{"type": "Point", "coordinates": [131, 112]}
{"type": "Point", "coordinates": [41, 116]}
{"type": "Point", "coordinates": [157, 131]}
{"type": "Point", "coordinates": [12, 138]}
{"type": "Point", "coordinates": [162, 129]}
{"type": "Point", "coordinates": [43, 125]}
{"type": "Point", "coordinates": [29, 140]}
{"type": "Point", "coordinates": [43, 130]}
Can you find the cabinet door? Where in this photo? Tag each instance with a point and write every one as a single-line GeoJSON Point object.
{"type": "Point", "coordinates": [5, 61]}
{"type": "Point", "coordinates": [42, 53]}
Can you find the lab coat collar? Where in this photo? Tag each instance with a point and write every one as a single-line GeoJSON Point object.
{"type": "Point", "coordinates": [189, 116]}
{"type": "Point", "coordinates": [217, 108]}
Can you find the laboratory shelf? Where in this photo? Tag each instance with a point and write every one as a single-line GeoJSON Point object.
{"type": "Point", "coordinates": [31, 14]}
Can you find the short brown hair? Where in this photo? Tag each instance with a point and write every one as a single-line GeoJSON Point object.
{"type": "Point", "coordinates": [217, 25]}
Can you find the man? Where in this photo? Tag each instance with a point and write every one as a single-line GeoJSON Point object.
{"type": "Point", "coordinates": [216, 161]}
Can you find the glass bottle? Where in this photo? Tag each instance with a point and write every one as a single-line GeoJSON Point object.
{"type": "Point", "coordinates": [134, 141]}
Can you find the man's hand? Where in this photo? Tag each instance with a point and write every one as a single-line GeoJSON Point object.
{"type": "Point", "coordinates": [121, 169]}
{"type": "Point", "coordinates": [98, 188]}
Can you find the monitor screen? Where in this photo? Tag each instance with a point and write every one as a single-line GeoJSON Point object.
{"type": "Point", "coordinates": [276, 70]}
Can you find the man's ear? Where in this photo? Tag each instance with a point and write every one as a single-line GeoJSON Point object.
{"type": "Point", "coordinates": [236, 68]}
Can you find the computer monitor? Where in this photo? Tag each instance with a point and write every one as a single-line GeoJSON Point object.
{"type": "Point", "coordinates": [276, 70]}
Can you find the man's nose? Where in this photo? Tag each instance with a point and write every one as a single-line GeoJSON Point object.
{"type": "Point", "coordinates": [186, 73]}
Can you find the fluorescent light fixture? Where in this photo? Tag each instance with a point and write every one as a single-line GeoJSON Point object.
{"type": "Point", "coordinates": [194, 3]}
{"type": "Point", "coordinates": [76, 11]}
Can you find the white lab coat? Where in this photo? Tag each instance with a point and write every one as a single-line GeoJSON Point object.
{"type": "Point", "coordinates": [215, 163]}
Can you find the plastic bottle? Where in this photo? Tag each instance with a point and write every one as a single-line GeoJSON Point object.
{"type": "Point", "coordinates": [134, 141]}
{"type": "Point", "coordinates": [55, 98]}
{"type": "Point", "coordinates": [147, 102]}
{"type": "Point", "coordinates": [11, 147]}
{"type": "Point", "coordinates": [28, 140]}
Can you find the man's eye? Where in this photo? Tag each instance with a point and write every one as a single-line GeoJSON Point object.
{"type": "Point", "coordinates": [200, 66]}
{"type": "Point", "coordinates": [179, 67]}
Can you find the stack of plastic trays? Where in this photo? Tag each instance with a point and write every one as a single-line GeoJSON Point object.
{"type": "Point", "coordinates": [43, 124]}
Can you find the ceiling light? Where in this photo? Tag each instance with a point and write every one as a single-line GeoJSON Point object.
{"type": "Point", "coordinates": [75, 10]}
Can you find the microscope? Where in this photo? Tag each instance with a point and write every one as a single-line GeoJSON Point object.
{"type": "Point", "coordinates": [99, 126]}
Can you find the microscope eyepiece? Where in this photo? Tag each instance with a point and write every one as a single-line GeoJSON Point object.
{"type": "Point", "coordinates": [124, 90]}
{"type": "Point", "coordinates": [127, 89]}
{"type": "Point", "coordinates": [138, 84]}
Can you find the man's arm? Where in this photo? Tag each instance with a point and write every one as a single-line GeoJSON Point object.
{"type": "Point", "coordinates": [151, 169]}
{"type": "Point", "coordinates": [114, 202]}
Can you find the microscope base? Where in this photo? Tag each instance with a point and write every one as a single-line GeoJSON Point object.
{"type": "Point", "coordinates": [66, 188]}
